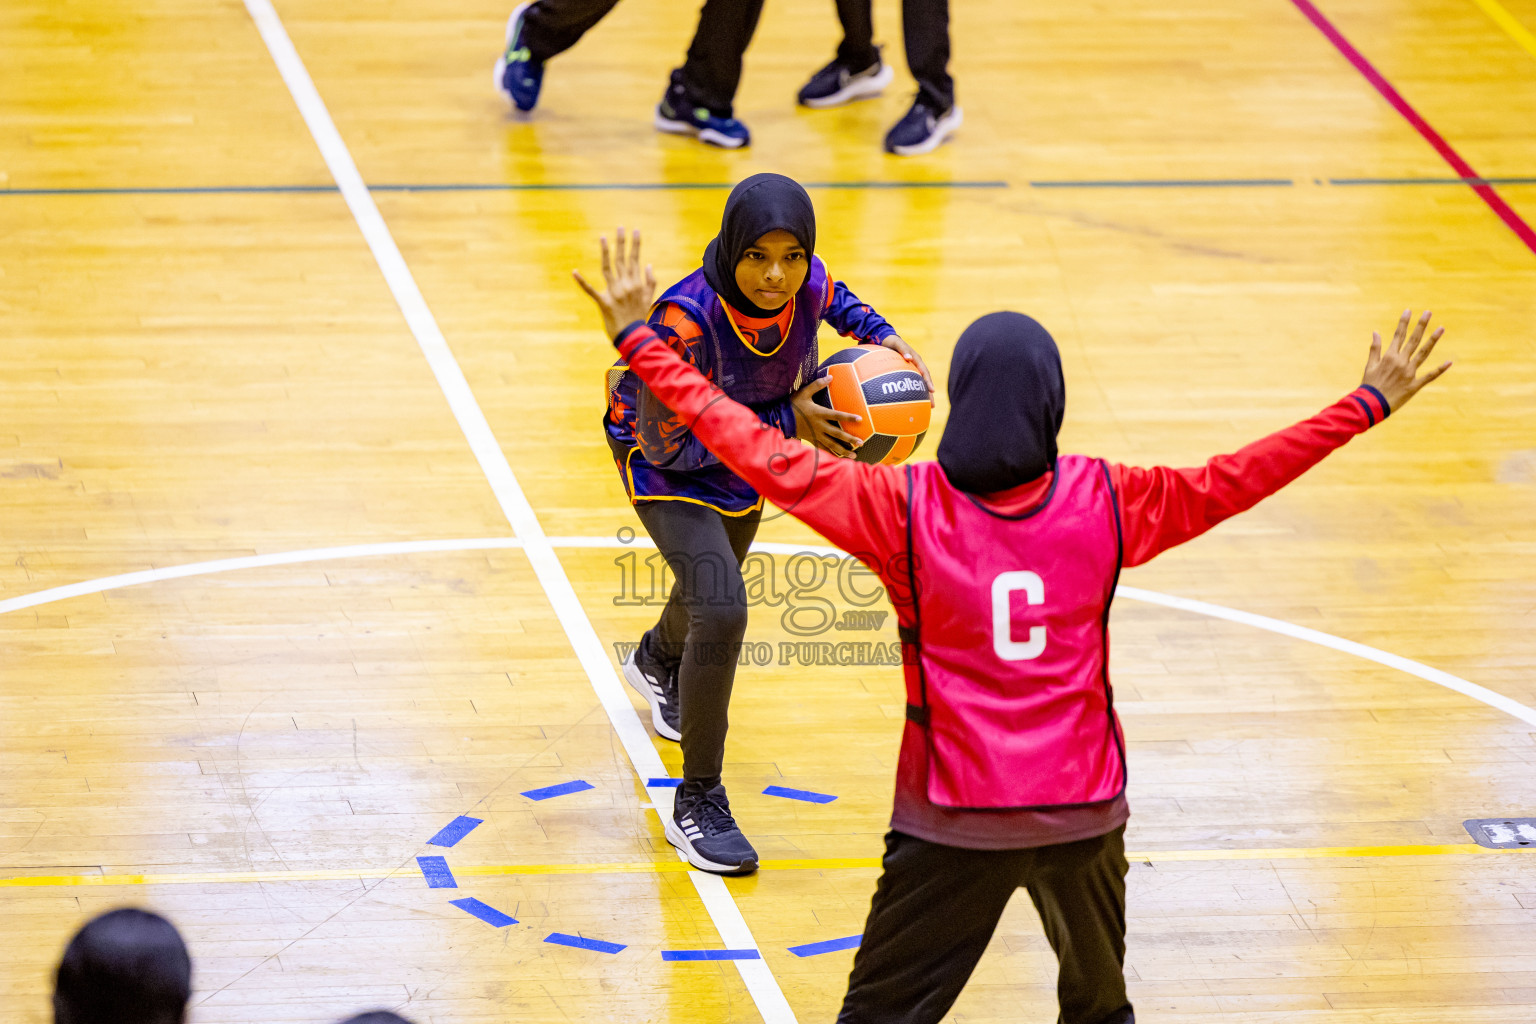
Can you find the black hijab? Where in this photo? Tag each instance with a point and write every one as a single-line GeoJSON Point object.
{"type": "Point", "coordinates": [757, 205]}
{"type": "Point", "coordinates": [1006, 397]}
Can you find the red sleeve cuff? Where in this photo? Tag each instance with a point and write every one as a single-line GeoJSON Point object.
{"type": "Point", "coordinates": [631, 338]}
{"type": "Point", "coordinates": [1373, 402]}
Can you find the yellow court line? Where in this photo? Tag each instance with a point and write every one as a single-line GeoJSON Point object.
{"type": "Point", "coordinates": [1518, 32]}
{"type": "Point", "coordinates": [661, 867]}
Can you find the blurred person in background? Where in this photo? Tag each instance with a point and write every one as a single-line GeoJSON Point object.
{"type": "Point", "coordinates": [699, 100]}
{"type": "Point", "coordinates": [857, 72]}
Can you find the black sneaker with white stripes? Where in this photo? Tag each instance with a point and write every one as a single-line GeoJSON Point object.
{"type": "Point", "coordinates": [702, 827]}
{"type": "Point", "coordinates": [837, 83]}
{"type": "Point", "coordinates": [659, 688]}
{"type": "Point", "coordinates": [923, 129]}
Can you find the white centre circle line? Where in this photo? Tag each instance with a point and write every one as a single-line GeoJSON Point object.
{"type": "Point", "coordinates": [1417, 669]}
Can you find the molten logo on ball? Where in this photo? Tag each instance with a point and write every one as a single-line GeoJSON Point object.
{"type": "Point", "coordinates": [887, 392]}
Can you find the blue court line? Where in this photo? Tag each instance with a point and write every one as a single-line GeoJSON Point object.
{"type": "Point", "coordinates": [826, 946]}
{"type": "Point", "coordinates": [491, 186]}
{"type": "Point", "coordinates": [435, 871]}
{"type": "Point", "coordinates": [799, 794]}
{"type": "Point", "coordinates": [489, 914]}
{"type": "Point", "coordinates": [1153, 183]}
{"type": "Point", "coordinates": [1432, 181]}
{"type": "Point", "coordinates": [711, 954]}
{"type": "Point", "coordinates": [663, 783]}
{"type": "Point", "coordinates": [457, 829]}
{"type": "Point", "coordinates": [561, 790]}
{"type": "Point", "coordinates": [167, 191]}
{"type": "Point", "coordinates": [577, 942]}
{"type": "Point", "coordinates": [1169, 183]}
{"type": "Point", "coordinates": [670, 186]}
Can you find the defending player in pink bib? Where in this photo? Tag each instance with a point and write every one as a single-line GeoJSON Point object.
{"type": "Point", "coordinates": [1010, 685]}
{"type": "Point", "coordinates": [1001, 560]}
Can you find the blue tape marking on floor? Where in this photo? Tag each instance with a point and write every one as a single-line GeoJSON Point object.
{"type": "Point", "coordinates": [455, 830]}
{"type": "Point", "coordinates": [828, 946]}
{"type": "Point", "coordinates": [1170, 183]}
{"type": "Point", "coordinates": [560, 790]}
{"type": "Point", "coordinates": [596, 945]}
{"type": "Point", "coordinates": [711, 954]}
{"type": "Point", "coordinates": [435, 870]}
{"type": "Point", "coordinates": [490, 915]}
{"type": "Point", "coordinates": [663, 783]}
{"type": "Point", "coordinates": [799, 794]}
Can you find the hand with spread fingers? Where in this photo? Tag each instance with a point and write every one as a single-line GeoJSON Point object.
{"type": "Point", "coordinates": [628, 289]}
{"type": "Point", "coordinates": [1395, 372]}
{"type": "Point", "coordinates": [823, 426]}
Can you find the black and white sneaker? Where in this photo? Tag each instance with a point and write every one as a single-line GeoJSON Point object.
{"type": "Point", "coordinates": [518, 76]}
{"type": "Point", "coordinates": [923, 130]}
{"type": "Point", "coordinates": [702, 827]}
{"type": "Point", "coordinates": [677, 114]}
{"type": "Point", "coordinates": [659, 688]}
{"type": "Point", "coordinates": [837, 84]}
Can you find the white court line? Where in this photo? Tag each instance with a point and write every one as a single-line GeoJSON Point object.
{"type": "Point", "coordinates": [1380, 657]}
{"type": "Point", "coordinates": [176, 572]}
{"type": "Point", "coordinates": [403, 547]}
{"type": "Point", "coordinates": [1313, 636]}
{"type": "Point", "coordinates": [722, 909]}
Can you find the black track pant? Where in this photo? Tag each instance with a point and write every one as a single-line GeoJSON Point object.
{"type": "Point", "coordinates": [935, 908]}
{"type": "Point", "coordinates": [713, 68]}
{"type": "Point", "coordinates": [701, 627]}
{"type": "Point", "coordinates": [925, 31]}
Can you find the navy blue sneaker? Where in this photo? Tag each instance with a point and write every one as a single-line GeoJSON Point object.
{"type": "Point", "coordinates": [922, 130]}
{"type": "Point", "coordinates": [837, 83]}
{"type": "Point", "coordinates": [702, 827]}
{"type": "Point", "coordinates": [659, 688]}
{"type": "Point", "coordinates": [518, 76]}
{"type": "Point", "coordinates": [677, 114]}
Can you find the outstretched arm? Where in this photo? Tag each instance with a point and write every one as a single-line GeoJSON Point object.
{"type": "Point", "coordinates": [851, 318]}
{"type": "Point", "coordinates": [1162, 507]}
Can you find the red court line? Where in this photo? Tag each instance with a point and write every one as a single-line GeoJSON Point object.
{"type": "Point", "coordinates": [1486, 192]}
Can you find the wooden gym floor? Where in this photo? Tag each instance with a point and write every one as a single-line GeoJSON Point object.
{"type": "Point", "coordinates": [1211, 206]}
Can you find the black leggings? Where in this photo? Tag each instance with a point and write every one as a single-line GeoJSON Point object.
{"type": "Point", "coordinates": [713, 68]}
{"type": "Point", "coordinates": [925, 30]}
{"type": "Point", "coordinates": [935, 908]}
{"type": "Point", "coordinates": [701, 627]}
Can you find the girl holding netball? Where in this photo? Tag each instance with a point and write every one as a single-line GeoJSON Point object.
{"type": "Point", "coordinates": [1001, 559]}
{"type": "Point", "coordinates": [747, 322]}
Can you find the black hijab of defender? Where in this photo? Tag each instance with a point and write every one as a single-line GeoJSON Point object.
{"type": "Point", "coordinates": [756, 206]}
{"type": "Point", "coordinates": [1007, 398]}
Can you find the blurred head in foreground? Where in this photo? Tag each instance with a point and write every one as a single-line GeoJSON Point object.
{"type": "Point", "coordinates": [124, 967]}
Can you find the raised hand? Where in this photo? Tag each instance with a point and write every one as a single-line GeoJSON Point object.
{"type": "Point", "coordinates": [628, 289]}
{"type": "Point", "coordinates": [1395, 372]}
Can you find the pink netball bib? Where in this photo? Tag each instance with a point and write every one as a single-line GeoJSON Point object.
{"type": "Point", "coordinates": [1011, 680]}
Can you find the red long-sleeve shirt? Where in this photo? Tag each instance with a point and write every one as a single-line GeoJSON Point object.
{"type": "Point", "coordinates": [863, 509]}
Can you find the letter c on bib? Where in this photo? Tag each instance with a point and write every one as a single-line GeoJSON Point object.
{"type": "Point", "coordinates": [1002, 621]}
